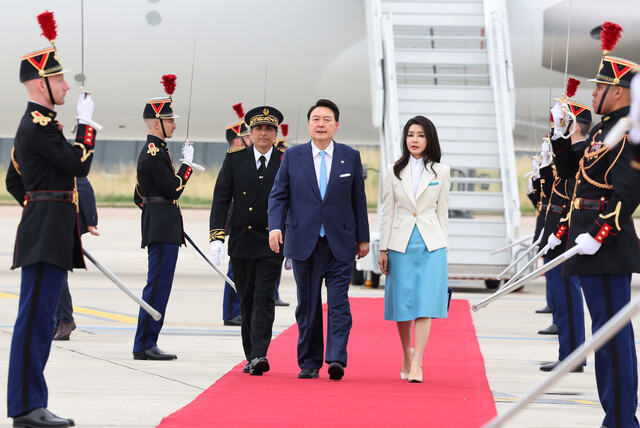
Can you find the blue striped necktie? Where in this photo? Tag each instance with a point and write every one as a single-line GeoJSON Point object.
{"type": "Point", "coordinates": [323, 183]}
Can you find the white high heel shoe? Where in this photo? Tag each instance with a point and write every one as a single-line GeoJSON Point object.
{"type": "Point", "coordinates": [403, 375]}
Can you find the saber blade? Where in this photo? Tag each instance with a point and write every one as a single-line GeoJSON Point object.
{"type": "Point", "coordinates": [208, 260]}
{"type": "Point", "coordinates": [193, 65]}
{"type": "Point", "coordinates": [105, 270]}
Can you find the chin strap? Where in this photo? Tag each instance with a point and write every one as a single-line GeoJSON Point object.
{"type": "Point", "coordinates": [604, 94]}
{"type": "Point", "coordinates": [164, 134]}
{"type": "Point", "coordinates": [46, 80]}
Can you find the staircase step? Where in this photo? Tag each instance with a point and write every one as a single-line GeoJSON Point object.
{"type": "Point", "coordinates": [445, 93]}
{"type": "Point", "coordinates": [441, 8]}
{"type": "Point", "coordinates": [470, 148]}
{"type": "Point", "coordinates": [477, 161]}
{"type": "Point", "coordinates": [428, 107]}
{"type": "Point", "coordinates": [479, 201]}
{"type": "Point", "coordinates": [434, 20]}
{"type": "Point", "coordinates": [440, 56]}
{"type": "Point", "coordinates": [463, 257]}
{"type": "Point", "coordinates": [474, 122]}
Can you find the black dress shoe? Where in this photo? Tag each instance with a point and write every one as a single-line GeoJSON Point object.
{"type": "Point", "coordinates": [336, 371]}
{"type": "Point", "coordinates": [233, 321]}
{"type": "Point", "coordinates": [545, 310]}
{"type": "Point", "coordinates": [551, 366]}
{"type": "Point", "coordinates": [41, 417]}
{"type": "Point", "coordinates": [280, 302]}
{"type": "Point", "coordinates": [153, 353]}
{"type": "Point", "coordinates": [259, 365]}
{"type": "Point", "coordinates": [308, 374]}
{"type": "Point", "coordinates": [552, 329]}
{"type": "Point", "coordinates": [246, 368]}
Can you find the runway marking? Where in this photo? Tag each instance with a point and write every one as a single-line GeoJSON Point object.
{"type": "Point", "coordinates": [8, 295]}
{"type": "Point", "coordinates": [108, 315]}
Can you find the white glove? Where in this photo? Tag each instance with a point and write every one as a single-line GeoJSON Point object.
{"type": "Point", "coordinates": [535, 167]}
{"type": "Point", "coordinates": [558, 114]}
{"type": "Point", "coordinates": [587, 245]}
{"type": "Point", "coordinates": [217, 252]}
{"type": "Point", "coordinates": [547, 158]}
{"type": "Point", "coordinates": [84, 108]}
{"type": "Point", "coordinates": [530, 186]}
{"type": "Point", "coordinates": [187, 152]}
{"type": "Point", "coordinates": [634, 112]}
{"type": "Point", "coordinates": [552, 243]}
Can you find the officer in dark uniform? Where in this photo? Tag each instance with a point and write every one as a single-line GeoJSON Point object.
{"type": "Point", "coordinates": [41, 175]}
{"type": "Point", "coordinates": [237, 135]}
{"type": "Point", "coordinates": [255, 267]}
{"type": "Point", "coordinates": [565, 290]}
{"type": "Point", "coordinates": [600, 224]}
{"type": "Point", "coordinates": [157, 191]}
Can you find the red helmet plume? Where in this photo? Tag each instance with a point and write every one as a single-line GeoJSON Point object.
{"type": "Point", "coordinates": [285, 129]}
{"type": "Point", "coordinates": [572, 87]}
{"type": "Point", "coordinates": [48, 25]}
{"type": "Point", "coordinates": [610, 33]}
{"type": "Point", "coordinates": [169, 82]}
{"type": "Point", "coordinates": [239, 110]}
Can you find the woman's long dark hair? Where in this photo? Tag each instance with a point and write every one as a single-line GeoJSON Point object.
{"type": "Point", "coordinates": [431, 153]}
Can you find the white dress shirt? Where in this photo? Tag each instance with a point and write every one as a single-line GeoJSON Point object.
{"type": "Point", "coordinates": [317, 160]}
{"type": "Point", "coordinates": [417, 166]}
{"type": "Point", "coordinates": [257, 154]}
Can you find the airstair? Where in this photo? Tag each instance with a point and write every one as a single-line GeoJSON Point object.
{"type": "Point", "coordinates": [450, 61]}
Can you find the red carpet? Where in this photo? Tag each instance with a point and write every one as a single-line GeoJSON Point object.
{"type": "Point", "coordinates": [455, 392]}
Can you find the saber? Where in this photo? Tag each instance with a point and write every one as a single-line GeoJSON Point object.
{"type": "Point", "coordinates": [566, 58]}
{"type": "Point", "coordinates": [599, 339]}
{"type": "Point", "coordinates": [536, 273]}
{"type": "Point", "coordinates": [528, 265]}
{"type": "Point", "coordinates": [519, 259]}
{"type": "Point", "coordinates": [144, 305]}
{"type": "Point", "coordinates": [208, 260]}
{"type": "Point", "coordinates": [513, 244]}
{"type": "Point", "coordinates": [193, 66]}
{"type": "Point", "coordinates": [617, 132]}
{"type": "Point", "coordinates": [82, 76]}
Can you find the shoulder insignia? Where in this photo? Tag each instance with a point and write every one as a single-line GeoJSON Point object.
{"type": "Point", "coordinates": [153, 150]}
{"type": "Point", "coordinates": [282, 149]}
{"type": "Point", "coordinates": [39, 118]}
{"type": "Point", "coordinates": [237, 149]}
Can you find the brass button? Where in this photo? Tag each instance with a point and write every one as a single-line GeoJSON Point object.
{"type": "Point", "coordinates": [415, 214]}
{"type": "Point", "coordinates": [249, 227]}
{"type": "Point", "coordinates": [244, 193]}
{"type": "Point", "coordinates": [250, 208]}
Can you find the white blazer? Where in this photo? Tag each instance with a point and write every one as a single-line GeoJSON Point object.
{"type": "Point", "coordinates": [429, 209]}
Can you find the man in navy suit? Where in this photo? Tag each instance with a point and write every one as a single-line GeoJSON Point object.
{"type": "Point", "coordinates": [319, 204]}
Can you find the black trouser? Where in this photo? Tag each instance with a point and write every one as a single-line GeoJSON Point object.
{"type": "Point", "coordinates": [255, 281]}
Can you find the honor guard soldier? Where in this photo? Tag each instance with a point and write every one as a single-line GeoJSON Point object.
{"type": "Point", "coordinates": [158, 188]}
{"type": "Point", "coordinates": [600, 225]}
{"type": "Point", "coordinates": [237, 135]}
{"type": "Point", "coordinates": [41, 176]}
{"type": "Point", "coordinates": [565, 291]}
{"type": "Point", "coordinates": [246, 178]}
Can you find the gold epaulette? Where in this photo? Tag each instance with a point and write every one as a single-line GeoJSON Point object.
{"type": "Point", "coordinates": [39, 118]}
{"type": "Point", "coordinates": [237, 149]}
{"type": "Point", "coordinates": [216, 235]}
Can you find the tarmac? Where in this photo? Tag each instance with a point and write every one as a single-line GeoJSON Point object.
{"type": "Point", "coordinates": [94, 379]}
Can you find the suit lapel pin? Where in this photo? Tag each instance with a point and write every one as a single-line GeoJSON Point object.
{"type": "Point", "coordinates": [341, 161]}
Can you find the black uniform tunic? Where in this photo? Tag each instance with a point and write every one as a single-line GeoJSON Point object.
{"type": "Point", "coordinates": [157, 191]}
{"type": "Point", "coordinates": [606, 195]}
{"type": "Point", "coordinates": [43, 161]}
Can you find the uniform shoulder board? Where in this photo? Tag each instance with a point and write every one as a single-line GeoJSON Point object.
{"type": "Point", "coordinates": [237, 149]}
{"type": "Point", "coordinates": [153, 150]}
{"type": "Point", "coordinates": [39, 118]}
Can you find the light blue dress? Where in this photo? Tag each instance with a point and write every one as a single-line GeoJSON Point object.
{"type": "Point", "coordinates": [417, 282]}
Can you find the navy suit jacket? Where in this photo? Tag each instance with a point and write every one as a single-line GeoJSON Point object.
{"type": "Point", "coordinates": [295, 206]}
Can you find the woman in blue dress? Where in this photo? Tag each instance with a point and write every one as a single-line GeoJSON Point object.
{"type": "Point", "coordinates": [413, 240]}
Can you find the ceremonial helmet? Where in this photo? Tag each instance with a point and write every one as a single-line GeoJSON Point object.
{"type": "Point", "coordinates": [613, 70]}
{"type": "Point", "coordinates": [44, 62]}
{"type": "Point", "coordinates": [239, 128]}
{"type": "Point", "coordinates": [162, 107]}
